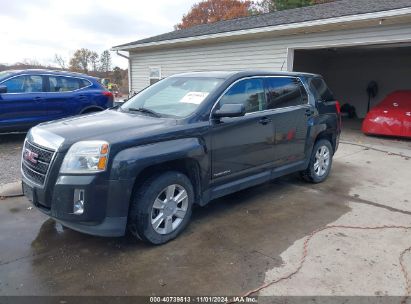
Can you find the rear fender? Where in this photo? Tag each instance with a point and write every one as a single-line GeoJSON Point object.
{"type": "Point", "coordinates": [325, 125]}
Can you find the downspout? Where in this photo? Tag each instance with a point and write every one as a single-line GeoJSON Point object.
{"type": "Point", "coordinates": [129, 69]}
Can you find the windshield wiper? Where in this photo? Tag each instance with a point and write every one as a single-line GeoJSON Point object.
{"type": "Point", "coordinates": [145, 110]}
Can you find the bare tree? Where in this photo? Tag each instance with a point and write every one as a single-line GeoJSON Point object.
{"type": "Point", "coordinates": [105, 62]}
{"type": "Point", "coordinates": [60, 61]}
{"type": "Point", "coordinates": [31, 62]}
{"type": "Point", "coordinates": [94, 61]}
{"type": "Point", "coordinates": [81, 60]}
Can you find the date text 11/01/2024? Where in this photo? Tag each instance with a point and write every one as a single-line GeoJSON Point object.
{"type": "Point", "coordinates": [203, 299]}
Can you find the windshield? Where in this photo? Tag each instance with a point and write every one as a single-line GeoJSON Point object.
{"type": "Point", "coordinates": [5, 74]}
{"type": "Point", "coordinates": [174, 96]}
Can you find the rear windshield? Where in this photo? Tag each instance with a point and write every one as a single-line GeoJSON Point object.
{"type": "Point", "coordinates": [321, 90]}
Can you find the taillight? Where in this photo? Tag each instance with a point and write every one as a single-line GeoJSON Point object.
{"type": "Point", "coordinates": [108, 94]}
{"type": "Point", "coordinates": [337, 106]}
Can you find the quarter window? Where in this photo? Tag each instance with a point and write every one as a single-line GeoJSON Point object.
{"type": "Point", "coordinates": [66, 84]}
{"type": "Point", "coordinates": [283, 92]}
{"type": "Point", "coordinates": [249, 92]}
{"type": "Point", "coordinates": [24, 84]}
{"type": "Point", "coordinates": [321, 90]}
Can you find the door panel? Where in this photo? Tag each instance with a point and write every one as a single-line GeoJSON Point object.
{"type": "Point", "coordinates": [63, 98]}
{"type": "Point", "coordinates": [22, 107]}
{"type": "Point", "coordinates": [59, 104]}
{"type": "Point", "coordinates": [291, 126]}
{"type": "Point", "coordinates": [243, 145]}
{"type": "Point", "coordinates": [287, 96]}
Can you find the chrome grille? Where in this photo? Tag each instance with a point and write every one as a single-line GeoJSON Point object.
{"type": "Point", "coordinates": [36, 162]}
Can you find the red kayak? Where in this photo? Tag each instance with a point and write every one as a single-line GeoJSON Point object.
{"type": "Point", "coordinates": [391, 117]}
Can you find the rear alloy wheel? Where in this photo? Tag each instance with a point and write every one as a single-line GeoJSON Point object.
{"type": "Point", "coordinates": [320, 162]}
{"type": "Point", "coordinates": [161, 207]}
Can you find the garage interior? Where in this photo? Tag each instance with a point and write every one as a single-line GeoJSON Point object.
{"type": "Point", "coordinates": [349, 70]}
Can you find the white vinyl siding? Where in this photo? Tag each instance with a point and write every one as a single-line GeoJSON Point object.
{"type": "Point", "coordinates": [258, 53]}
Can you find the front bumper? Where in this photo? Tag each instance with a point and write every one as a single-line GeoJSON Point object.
{"type": "Point", "coordinates": [110, 227]}
{"type": "Point", "coordinates": [105, 208]}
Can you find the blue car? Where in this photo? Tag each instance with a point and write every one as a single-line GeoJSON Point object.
{"type": "Point", "coordinates": [29, 97]}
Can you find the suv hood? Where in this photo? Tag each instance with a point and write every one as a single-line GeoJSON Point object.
{"type": "Point", "coordinates": [110, 125]}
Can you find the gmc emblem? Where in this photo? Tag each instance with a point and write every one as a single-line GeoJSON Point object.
{"type": "Point", "coordinates": [30, 156]}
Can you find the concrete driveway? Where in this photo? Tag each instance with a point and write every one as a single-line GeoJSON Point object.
{"type": "Point", "coordinates": [240, 242]}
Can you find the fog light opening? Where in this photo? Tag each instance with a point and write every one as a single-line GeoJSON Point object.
{"type": "Point", "coordinates": [78, 205]}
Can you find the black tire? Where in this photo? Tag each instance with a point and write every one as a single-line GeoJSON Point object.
{"type": "Point", "coordinates": [311, 174]}
{"type": "Point", "coordinates": [142, 210]}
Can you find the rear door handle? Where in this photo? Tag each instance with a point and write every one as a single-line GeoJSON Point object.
{"type": "Point", "coordinates": [264, 120]}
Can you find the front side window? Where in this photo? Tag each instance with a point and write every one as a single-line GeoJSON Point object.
{"type": "Point", "coordinates": [66, 84]}
{"type": "Point", "coordinates": [249, 92]}
{"type": "Point", "coordinates": [283, 92]}
{"type": "Point", "coordinates": [174, 96]}
{"type": "Point", "coordinates": [24, 84]}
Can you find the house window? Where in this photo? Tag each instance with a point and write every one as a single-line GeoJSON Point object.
{"type": "Point", "coordinates": [155, 74]}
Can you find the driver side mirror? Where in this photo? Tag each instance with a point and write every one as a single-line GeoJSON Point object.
{"type": "Point", "coordinates": [3, 89]}
{"type": "Point", "coordinates": [230, 110]}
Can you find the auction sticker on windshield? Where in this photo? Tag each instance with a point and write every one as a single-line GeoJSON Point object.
{"type": "Point", "coordinates": [194, 97]}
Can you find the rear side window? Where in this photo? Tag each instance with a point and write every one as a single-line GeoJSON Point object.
{"type": "Point", "coordinates": [321, 90]}
{"type": "Point", "coordinates": [24, 84]}
{"type": "Point", "coordinates": [284, 92]}
{"type": "Point", "coordinates": [249, 92]}
{"type": "Point", "coordinates": [66, 84]}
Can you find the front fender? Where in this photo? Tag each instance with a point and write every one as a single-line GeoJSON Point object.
{"type": "Point", "coordinates": [128, 163]}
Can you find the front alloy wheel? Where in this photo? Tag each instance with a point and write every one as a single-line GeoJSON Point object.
{"type": "Point", "coordinates": [169, 209]}
{"type": "Point", "coordinates": [161, 207]}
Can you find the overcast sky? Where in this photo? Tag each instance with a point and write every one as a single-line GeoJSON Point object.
{"type": "Point", "coordinates": [39, 29]}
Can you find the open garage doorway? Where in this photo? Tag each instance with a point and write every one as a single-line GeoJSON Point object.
{"type": "Point", "coordinates": [348, 71]}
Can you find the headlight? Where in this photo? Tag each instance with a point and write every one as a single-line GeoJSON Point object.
{"type": "Point", "coordinates": [86, 157]}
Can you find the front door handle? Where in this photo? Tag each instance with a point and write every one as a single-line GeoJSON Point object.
{"type": "Point", "coordinates": [264, 120]}
{"type": "Point", "coordinates": [38, 99]}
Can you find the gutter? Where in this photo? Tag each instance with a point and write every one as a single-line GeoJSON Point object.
{"type": "Point", "coordinates": [275, 28]}
{"type": "Point", "coordinates": [122, 55]}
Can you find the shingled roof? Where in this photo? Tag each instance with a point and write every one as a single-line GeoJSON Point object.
{"type": "Point", "coordinates": [321, 11]}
